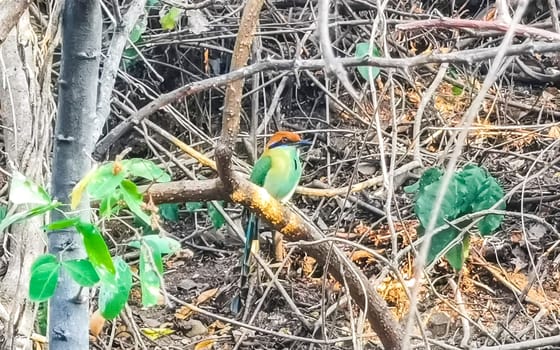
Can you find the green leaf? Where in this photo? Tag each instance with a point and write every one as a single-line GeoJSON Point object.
{"type": "Point", "coordinates": [164, 245]}
{"type": "Point", "coordinates": [193, 206]}
{"type": "Point", "coordinates": [216, 217]}
{"type": "Point", "coordinates": [363, 50]}
{"type": "Point", "coordinates": [81, 271]}
{"type": "Point", "coordinates": [427, 197]}
{"type": "Point", "coordinates": [103, 182]}
{"type": "Point", "coordinates": [429, 176]}
{"type": "Point", "coordinates": [3, 212]}
{"type": "Point", "coordinates": [412, 188]}
{"type": "Point", "coordinates": [456, 90]}
{"type": "Point", "coordinates": [130, 57]}
{"type": "Point", "coordinates": [169, 211]}
{"type": "Point", "coordinates": [439, 242]}
{"type": "Point", "coordinates": [492, 192]}
{"type": "Point", "coordinates": [62, 224]}
{"type": "Point", "coordinates": [457, 255]}
{"type": "Point", "coordinates": [470, 190]}
{"type": "Point", "coordinates": [169, 20]}
{"type": "Point", "coordinates": [96, 248]}
{"type": "Point", "coordinates": [44, 277]}
{"type": "Point", "coordinates": [133, 200]}
{"type": "Point", "coordinates": [145, 169]}
{"type": "Point", "coordinates": [471, 180]}
{"type": "Point", "coordinates": [25, 191]}
{"type": "Point", "coordinates": [138, 29]}
{"type": "Point", "coordinates": [114, 289]}
{"type": "Point", "coordinates": [149, 279]}
{"type": "Point", "coordinates": [24, 215]}
{"type": "Point", "coordinates": [110, 204]}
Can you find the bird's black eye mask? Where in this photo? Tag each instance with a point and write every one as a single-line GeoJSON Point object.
{"type": "Point", "coordinates": [287, 141]}
{"type": "Point", "coordinates": [283, 141]}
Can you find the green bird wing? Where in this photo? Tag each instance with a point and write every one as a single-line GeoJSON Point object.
{"type": "Point", "coordinates": [261, 168]}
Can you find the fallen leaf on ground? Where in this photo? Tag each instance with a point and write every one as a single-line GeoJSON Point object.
{"type": "Point", "coordinates": [219, 327]}
{"type": "Point", "coordinates": [156, 333]}
{"type": "Point", "coordinates": [205, 344]}
{"type": "Point", "coordinates": [96, 323]}
{"type": "Point", "coordinates": [554, 132]}
{"type": "Point", "coordinates": [206, 295]}
{"type": "Point", "coordinates": [183, 313]}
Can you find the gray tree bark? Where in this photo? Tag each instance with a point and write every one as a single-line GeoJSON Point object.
{"type": "Point", "coordinates": [26, 107]}
{"type": "Point", "coordinates": [74, 142]}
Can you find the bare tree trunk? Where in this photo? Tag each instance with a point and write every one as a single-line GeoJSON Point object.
{"type": "Point", "coordinates": [73, 145]}
{"type": "Point", "coordinates": [25, 109]}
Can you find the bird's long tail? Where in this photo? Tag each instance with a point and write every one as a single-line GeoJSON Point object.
{"type": "Point", "coordinates": [251, 244]}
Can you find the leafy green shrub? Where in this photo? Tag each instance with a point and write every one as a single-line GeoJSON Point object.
{"type": "Point", "coordinates": [470, 190]}
{"type": "Point", "coordinates": [113, 186]}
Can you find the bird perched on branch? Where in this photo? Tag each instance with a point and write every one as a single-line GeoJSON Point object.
{"type": "Point", "coordinates": [278, 170]}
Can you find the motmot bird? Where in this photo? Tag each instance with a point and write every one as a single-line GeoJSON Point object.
{"type": "Point", "coordinates": [278, 170]}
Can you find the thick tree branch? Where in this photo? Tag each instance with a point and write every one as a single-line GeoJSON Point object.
{"type": "Point", "coordinates": [111, 64]}
{"type": "Point", "coordinates": [185, 191]}
{"type": "Point", "coordinates": [232, 101]}
{"type": "Point", "coordinates": [9, 16]}
{"type": "Point", "coordinates": [25, 111]}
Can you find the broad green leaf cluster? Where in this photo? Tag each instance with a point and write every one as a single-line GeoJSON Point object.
{"type": "Point", "coordinates": [113, 185]}
{"type": "Point", "coordinates": [470, 190]}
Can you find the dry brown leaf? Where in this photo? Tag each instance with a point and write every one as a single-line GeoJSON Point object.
{"type": "Point", "coordinates": [219, 327]}
{"type": "Point", "coordinates": [554, 132]}
{"type": "Point", "coordinates": [414, 97]}
{"type": "Point", "coordinates": [96, 323]}
{"type": "Point", "coordinates": [183, 313]}
{"type": "Point", "coordinates": [206, 295]}
{"type": "Point", "coordinates": [516, 236]}
{"type": "Point", "coordinates": [308, 265]}
{"type": "Point", "coordinates": [490, 15]}
{"type": "Point", "coordinates": [205, 344]}
{"type": "Point", "coordinates": [123, 333]}
{"type": "Point", "coordinates": [362, 255]}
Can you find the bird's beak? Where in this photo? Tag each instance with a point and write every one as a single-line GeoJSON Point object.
{"type": "Point", "coordinates": [304, 143]}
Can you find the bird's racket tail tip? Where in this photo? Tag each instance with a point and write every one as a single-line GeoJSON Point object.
{"type": "Point", "coordinates": [236, 305]}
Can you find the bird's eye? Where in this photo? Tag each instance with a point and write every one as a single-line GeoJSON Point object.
{"type": "Point", "coordinates": [285, 140]}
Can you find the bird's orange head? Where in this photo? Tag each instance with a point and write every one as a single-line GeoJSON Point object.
{"type": "Point", "coordinates": [286, 138]}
